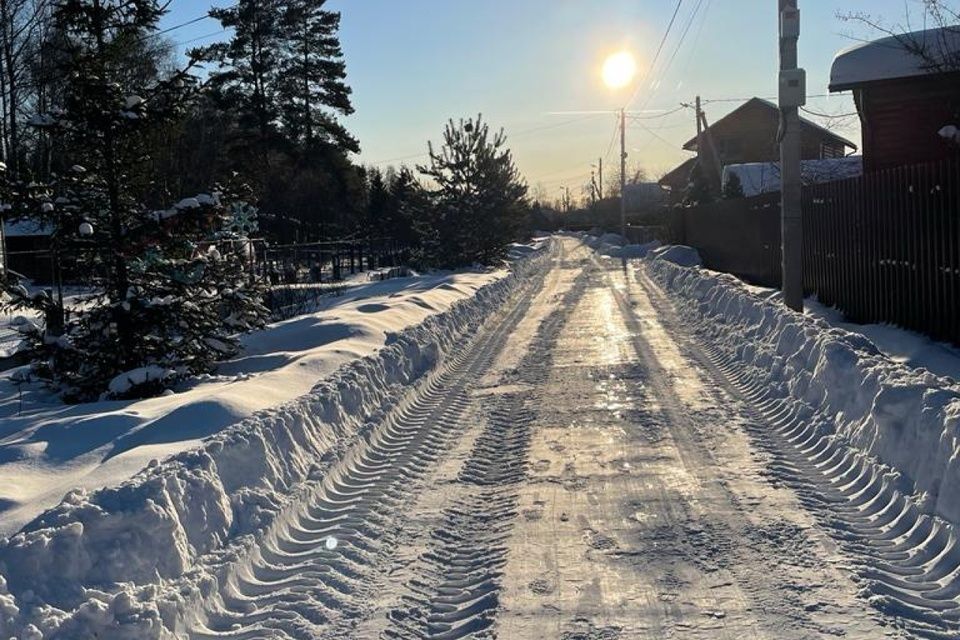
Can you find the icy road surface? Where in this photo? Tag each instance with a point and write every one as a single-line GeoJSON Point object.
{"type": "Point", "coordinates": [578, 471]}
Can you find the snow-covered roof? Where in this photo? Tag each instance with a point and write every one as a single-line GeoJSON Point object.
{"type": "Point", "coordinates": [23, 228]}
{"type": "Point", "coordinates": [896, 57]}
{"type": "Point", "coordinates": [764, 177]}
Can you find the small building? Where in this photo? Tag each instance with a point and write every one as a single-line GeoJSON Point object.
{"type": "Point", "coordinates": [749, 134]}
{"type": "Point", "coordinates": [25, 249]}
{"type": "Point", "coordinates": [907, 91]}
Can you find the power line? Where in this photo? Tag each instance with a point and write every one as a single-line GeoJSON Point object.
{"type": "Point", "coordinates": [557, 125]}
{"type": "Point", "coordinates": [182, 25]}
{"type": "Point", "coordinates": [772, 98]}
{"type": "Point", "coordinates": [676, 50]}
{"type": "Point", "coordinates": [656, 56]}
{"type": "Point", "coordinates": [538, 181]}
{"type": "Point", "coordinates": [518, 134]}
{"type": "Point", "coordinates": [656, 135]}
{"type": "Point", "coordinates": [399, 159]}
{"type": "Point", "coordinates": [659, 115]}
{"type": "Point", "coordinates": [828, 115]}
{"type": "Point", "coordinates": [204, 36]}
{"type": "Point", "coordinates": [613, 139]}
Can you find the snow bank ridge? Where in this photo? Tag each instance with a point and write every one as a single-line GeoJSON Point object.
{"type": "Point", "coordinates": [207, 501]}
{"type": "Point", "coordinates": [907, 419]}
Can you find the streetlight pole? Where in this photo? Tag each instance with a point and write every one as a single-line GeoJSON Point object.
{"type": "Point", "coordinates": [623, 173]}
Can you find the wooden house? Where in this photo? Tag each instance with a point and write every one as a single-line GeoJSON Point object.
{"type": "Point", "coordinates": [907, 91]}
{"type": "Point", "coordinates": [749, 134]}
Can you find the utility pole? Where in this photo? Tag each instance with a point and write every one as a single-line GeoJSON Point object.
{"type": "Point", "coordinates": [699, 123]}
{"type": "Point", "coordinates": [699, 116]}
{"type": "Point", "coordinates": [600, 170]}
{"type": "Point", "coordinates": [623, 173]}
{"type": "Point", "coordinates": [792, 97]}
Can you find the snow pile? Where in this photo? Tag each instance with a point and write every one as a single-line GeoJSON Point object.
{"type": "Point", "coordinates": [518, 251]}
{"type": "Point", "coordinates": [950, 132]}
{"type": "Point", "coordinates": [907, 419]}
{"type": "Point", "coordinates": [140, 376]}
{"type": "Point", "coordinates": [678, 254]}
{"type": "Point", "coordinates": [114, 562]}
{"type": "Point", "coordinates": [606, 244]}
{"type": "Point", "coordinates": [629, 251]}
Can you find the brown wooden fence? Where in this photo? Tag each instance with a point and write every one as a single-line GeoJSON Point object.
{"type": "Point", "coordinates": [740, 236]}
{"type": "Point", "coordinates": [885, 247]}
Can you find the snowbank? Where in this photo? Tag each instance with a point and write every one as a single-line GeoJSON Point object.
{"type": "Point", "coordinates": [48, 449]}
{"type": "Point", "coordinates": [97, 560]}
{"type": "Point", "coordinates": [678, 254]}
{"type": "Point", "coordinates": [907, 419]}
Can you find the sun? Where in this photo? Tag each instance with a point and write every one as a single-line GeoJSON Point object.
{"type": "Point", "coordinates": [619, 69]}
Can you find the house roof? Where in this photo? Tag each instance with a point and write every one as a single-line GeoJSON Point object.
{"type": "Point", "coordinates": [679, 173]}
{"type": "Point", "coordinates": [896, 57]}
{"type": "Point", "coordinates": [691, 145]}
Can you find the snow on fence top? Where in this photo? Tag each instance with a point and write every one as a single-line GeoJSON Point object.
{"type": "Point", "coordinates": [764, 177]}
{"type": "Point", "coordinates": [26, 227]}
{"type": "Point", "coordinates": [895, 57]}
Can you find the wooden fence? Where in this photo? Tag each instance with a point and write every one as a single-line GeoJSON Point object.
{"type": "Point", "coordinates": [885, 247]}
{"type": "Point", "coordinates": [740, 236]}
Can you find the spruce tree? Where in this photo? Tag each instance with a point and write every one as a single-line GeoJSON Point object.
{"type": "Point", "coordinates": [479, 200]}
{"type": "Point", "coordinates": [379, 205]}
{"type": "Point", "coordinates": [169, 286]}
{"type": "Point", "coordinates": [406, 196]}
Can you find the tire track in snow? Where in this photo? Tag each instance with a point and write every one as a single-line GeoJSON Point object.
{"type": "Point", "coordinates": [311, 573]}
{"type": "Point", "coordinates": [457, 591]}
{"type": "Point", "coordinates": [907, 561]}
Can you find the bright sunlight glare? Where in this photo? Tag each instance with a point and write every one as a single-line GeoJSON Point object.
{"type": "Point", "coordinates": [619, 69]}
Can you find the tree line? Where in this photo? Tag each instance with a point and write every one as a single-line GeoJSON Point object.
{"type": "Point", "coordinates": [153, 172]}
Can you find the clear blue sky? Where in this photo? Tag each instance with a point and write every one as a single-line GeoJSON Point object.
{"type": "Point", "coordinates": [530, 65]}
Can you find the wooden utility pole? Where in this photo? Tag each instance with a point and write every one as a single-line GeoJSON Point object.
{"type": "Point", "coordinates": [600, 171]}
{"type": "Point", "coordinates": [699, 115]}
{"type": "Point", "coordinates": [623, 173]}
{"type": "Point", "coordinates": [792, 97]}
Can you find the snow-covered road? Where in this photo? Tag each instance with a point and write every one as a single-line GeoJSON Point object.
{"type": "Point", "coordinates": [579, 470]}
{"type": "Point", "coordinates": [582, 467]}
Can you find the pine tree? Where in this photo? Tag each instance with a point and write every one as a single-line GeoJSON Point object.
{"type": "Point", "coordinates": [247, 81]}
{"type": "Point", "coordinates": [313, 88]}
{"type": "Point", "coordinates": [282, 73]}
{"type": "Point", "coordinates": [168, 299]}
{"type": "Point", "coordinates": [479, 201]}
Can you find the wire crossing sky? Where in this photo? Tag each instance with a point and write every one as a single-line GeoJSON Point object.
{"type": "Point", "coordinates": [534, 68]}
